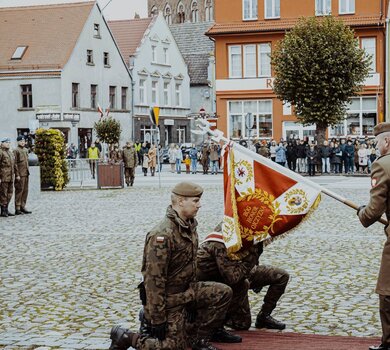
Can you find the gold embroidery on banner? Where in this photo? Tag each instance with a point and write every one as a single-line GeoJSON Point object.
{"type": "Point", "coordinates": [254, 214]}
{"type": "Point", "coordinates": [297, 202]}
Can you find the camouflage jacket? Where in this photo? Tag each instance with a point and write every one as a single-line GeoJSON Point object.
{"type": "Point", "coordinates": [169, 265]}
{"type": "Point", "coordinates": [8, 168]}
{"type": "Point", "coordinates": [215, 265]}
{"type": "Point", "coordinates": [129, 157]}
{"type": "Point", "coordinates": [21, 159]}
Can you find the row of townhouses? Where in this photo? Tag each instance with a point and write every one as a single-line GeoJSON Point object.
{"type": "Point", "coordinates": [189, 57]}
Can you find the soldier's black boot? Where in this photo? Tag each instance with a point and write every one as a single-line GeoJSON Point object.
{"type": "Point", "coordinates": [18, 212]}
{"type": "Point", "coordinates": [25, 211]}
{"type": "Point", "coordinates": [122, 338]}
{"type": "Point", "coordinates": [221, 335]}
{"type": "Point", "coordinates": [3, 211]}
{"type": "Point", "coordinates": [202, 344]}
{"type": "Point", "coordinates": [8, 213]}
{"type": "Point", "coordinates": [379, 347]}
{"type": "Point", "coordinates": [144, 328]}
{"type": "Point", "coordinates": [265, 320]}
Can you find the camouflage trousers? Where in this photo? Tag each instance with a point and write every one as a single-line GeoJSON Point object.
{"type": "Point", "coordinates": [21, 192]}
{"type": "Point", "coordinates": [212, 302]}
{"type": "Point", "coordinates": [239, 314]}
{"type": "Point", "coordinates": [6, 191]}
{"type": "Point", "coordinates": [129, 175]}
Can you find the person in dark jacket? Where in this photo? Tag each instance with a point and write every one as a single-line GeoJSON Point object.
{"type": "Point", "coordinates": [350, 156]}
{"type": "Point", "coordinates": [325, 156]}
{"type": "Point", "coordinates": [312, 155]}
{"type": "Point", "coordinates": [291, 155]}
{"type": "Point", "coordinates": [335, 158]}
{"type": "Point", "coordinates": [301, 156]}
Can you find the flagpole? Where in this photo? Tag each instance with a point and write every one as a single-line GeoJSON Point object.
{"type": "Point", "coordinates": [217, 135]}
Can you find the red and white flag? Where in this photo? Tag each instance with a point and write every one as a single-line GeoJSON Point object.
{"type": "Point", "coordinates": [263, 200]}
{"type": "Point", "coordinates": [100, 110]}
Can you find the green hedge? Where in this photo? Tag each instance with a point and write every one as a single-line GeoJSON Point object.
{"type": "Point", "coordinates": [51, 152]}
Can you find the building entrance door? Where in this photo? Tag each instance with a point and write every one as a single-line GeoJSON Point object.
{"type": "Point", "coordinates": [84, 141]}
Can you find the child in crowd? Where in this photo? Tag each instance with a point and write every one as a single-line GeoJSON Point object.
{"type": "Point", "coordinates": [187, 162]}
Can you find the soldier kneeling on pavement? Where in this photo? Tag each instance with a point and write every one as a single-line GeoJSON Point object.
{"type": "Point", "coordinates": [179, 311]}
{"type": "Point", "coordinates": [214, 264]}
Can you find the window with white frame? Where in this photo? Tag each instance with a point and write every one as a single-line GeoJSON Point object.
{"type": "Point", "coordinates": [272, 8]}
{"type": "Point", "coordinates": [249, 9]}
{"type": "Point", "coordinates": [112, 96]}
{"type": "Point", "coordinates": [323, 7]}
{"type": "Point", "coordinates": [194, 12]}
{"type": "Point", "coordinates": [264, 60]}
{"type": "Point", "coordinates": [142, 91]}
{"type": "Point", "coordinates": [26, 91]}
{"type": "Point", "coordinates": [250, 119]}
{"type": "Point", "coordinates": [154, 53]}
{"type": "Point", "coordinates": [208, 6]}
{"type": "Point", "coordinates": [360, 119]}
{"type": "Point", "coordinates": [369, 45]}
{"type": "Point", "coordinates": [346, 6]}
{"type": "Point", "coordinates": [166, 93]}
{"type": "Point", "coordinates": [155, 92]}
{"type": "Point", "coordinates": [249, 61]}
{"type": "Point", "coordinates": [168, 14]}
{"type": "Point", "coordinates": [178, 94]}
{"type": "Point", "coordinates": [235, 62]}
{"type": "Point", "coordinates": [166, 55]}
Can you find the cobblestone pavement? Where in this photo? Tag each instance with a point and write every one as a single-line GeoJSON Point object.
{"type": "Point", "coordinates": [69, 271]}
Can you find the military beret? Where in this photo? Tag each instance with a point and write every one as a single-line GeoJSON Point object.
{"type": "Point", "coordinates": [20, 138]}
{"type": "Point", "coordinates": [5, 139]}
{"type": "Point", "coordinates": [381, 127]}
{"type": "Point", "coordinates": [187, 189]}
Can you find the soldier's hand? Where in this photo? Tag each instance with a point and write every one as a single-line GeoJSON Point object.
{"type": "Point", "coordinates": [360, 208]}
{"type": "Point", "coordinates": [190, 312]}
{"type": "Point", "coordinates": [159, 331]}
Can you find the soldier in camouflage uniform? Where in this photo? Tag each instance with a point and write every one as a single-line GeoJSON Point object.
{"type": "Point", "coordinates": [8, 174]}
{"type": "Point", "coordinates": [173, 299]}
{"type": "Point", "coordinates": [21, 186]}
{"type": "Point", "coordinates": [129, 156]}
{"type": "Point", "coordinates": [242, 275]}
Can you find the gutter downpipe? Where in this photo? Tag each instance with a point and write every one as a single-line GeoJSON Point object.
{"type": "Point", "coordinates": [386, 80]}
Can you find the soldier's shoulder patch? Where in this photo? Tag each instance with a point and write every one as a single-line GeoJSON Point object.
{"type": "Point", "coordinates": [373, 182]}
{"type": "Point", "coordinates": [160, 239]}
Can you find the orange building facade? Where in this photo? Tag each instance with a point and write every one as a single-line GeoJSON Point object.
{"type": "Point", "coordinates": [245, 34]}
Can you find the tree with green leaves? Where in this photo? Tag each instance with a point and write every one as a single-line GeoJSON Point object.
{"type": "Point", "coordinates": [319, 67]}
{"type": "Point", "coordinates": [108, 130]}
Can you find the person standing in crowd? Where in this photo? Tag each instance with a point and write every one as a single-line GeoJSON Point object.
{"type": "Point", "coordinates": [280, 154]}
{"type": "Point", "coordinates": [372, 157]}
{"type": "Point", "coordinates": [311, 159]}
{"type": "Point", "coordinates": [325, 157]}
{"type": "Point", "coordinates": [272, 150]}
{"type": "Point", "coordinates": [193, 154]}
{"type": "Point", "coordinates": [93, 157]}
{"type": "Point", "coordinates": [187, 163]}
{"type": "Point", "coordinates": [378, 204]}
{"type": "Point", "coordinates": [335, 158]}
{"type": "Point", "coordinates": [263, 150]}
{"type": "Point", "coordinates": [291, 155]}
{"type": "Point", "coordinates": [356, 146]}
{"type": "Point", "coordinates": [71, 151]}
{"type": "Point", "coordinates": [178, 310]}
{"type": "Point", "coordinates": [145, 164]}
{"type": "Point", "coordinates": [214, 264]}
{"type": "Point", "coordinates": [144, 150]}
{"type": "Point", "coordinates": [98, 145]}
{"type": "Point", "coordinates": [205, 159]}
{"type": "Point", "coordinates": [160, 157]}
{"type": "Point", "coordinates": [363, 158]}
{"type": "Point", "coordinates": [8, 175]}
{"type": "Point", "coordinates": [344, 156]}
{"type": "Point", "coordinates": [214, 158]}
{"type": "Point", "coordinates": [115, 155]}
{"type": "Point", "coordinates": [152, 154]}
{"type": "Point", "coordinates": [172, 156]}
{"type": "Point", "coordinates": [301, 156]}
{"type": "Point", "coordinates": [137, 147]}
{"type": "Point", "coordinates": [21, 186]}
{"type": "Point", "coordinates": [349, 155]}
{"type": "Point", "coordinates": [130, 161]}
{"type": "Point", "coordinates": [178, 158]}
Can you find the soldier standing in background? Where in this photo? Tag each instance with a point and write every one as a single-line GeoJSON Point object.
{"type": "Point", "coordinates": [8, 174]}
{"type": "Point", "coordinates": [171, 295]}
{"type": "Point", "coordinates": [130, 160]}
{"type": "Point", "coordinates": [21, 186]}
{"type": "Point", "coordinates": [214, 264]}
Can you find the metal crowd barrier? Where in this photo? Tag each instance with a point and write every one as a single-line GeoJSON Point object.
{"type": "Point", "coordinates": [79, 172]}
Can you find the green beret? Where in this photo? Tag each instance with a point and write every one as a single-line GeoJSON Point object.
{"type": "Point", "coordinates": [187, 189]}
{"type": "Point", "coordinates": [381, 127]}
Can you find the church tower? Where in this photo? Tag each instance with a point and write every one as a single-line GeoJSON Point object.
{"type": "Point", "coordinates": [182, 11]}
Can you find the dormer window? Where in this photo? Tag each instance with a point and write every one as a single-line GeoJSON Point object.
{"type": "Point", "coordinates": [96, 30]}
{"type": "Point", "coordinates": [19, 52]}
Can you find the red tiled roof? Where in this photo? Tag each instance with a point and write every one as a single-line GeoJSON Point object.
{"type": "Point", "coordinates": [49, 31]}
{"type": "Point", "coordinates": [284, 24]}
{"type": "Point", "coordinates": [128, 34]}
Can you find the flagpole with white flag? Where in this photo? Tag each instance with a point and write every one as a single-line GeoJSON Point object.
{"type": "Point", "coordinates": [217, 136]}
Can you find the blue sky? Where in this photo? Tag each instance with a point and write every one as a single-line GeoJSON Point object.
{"type": "Point", "coordinates": [117, 9]}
